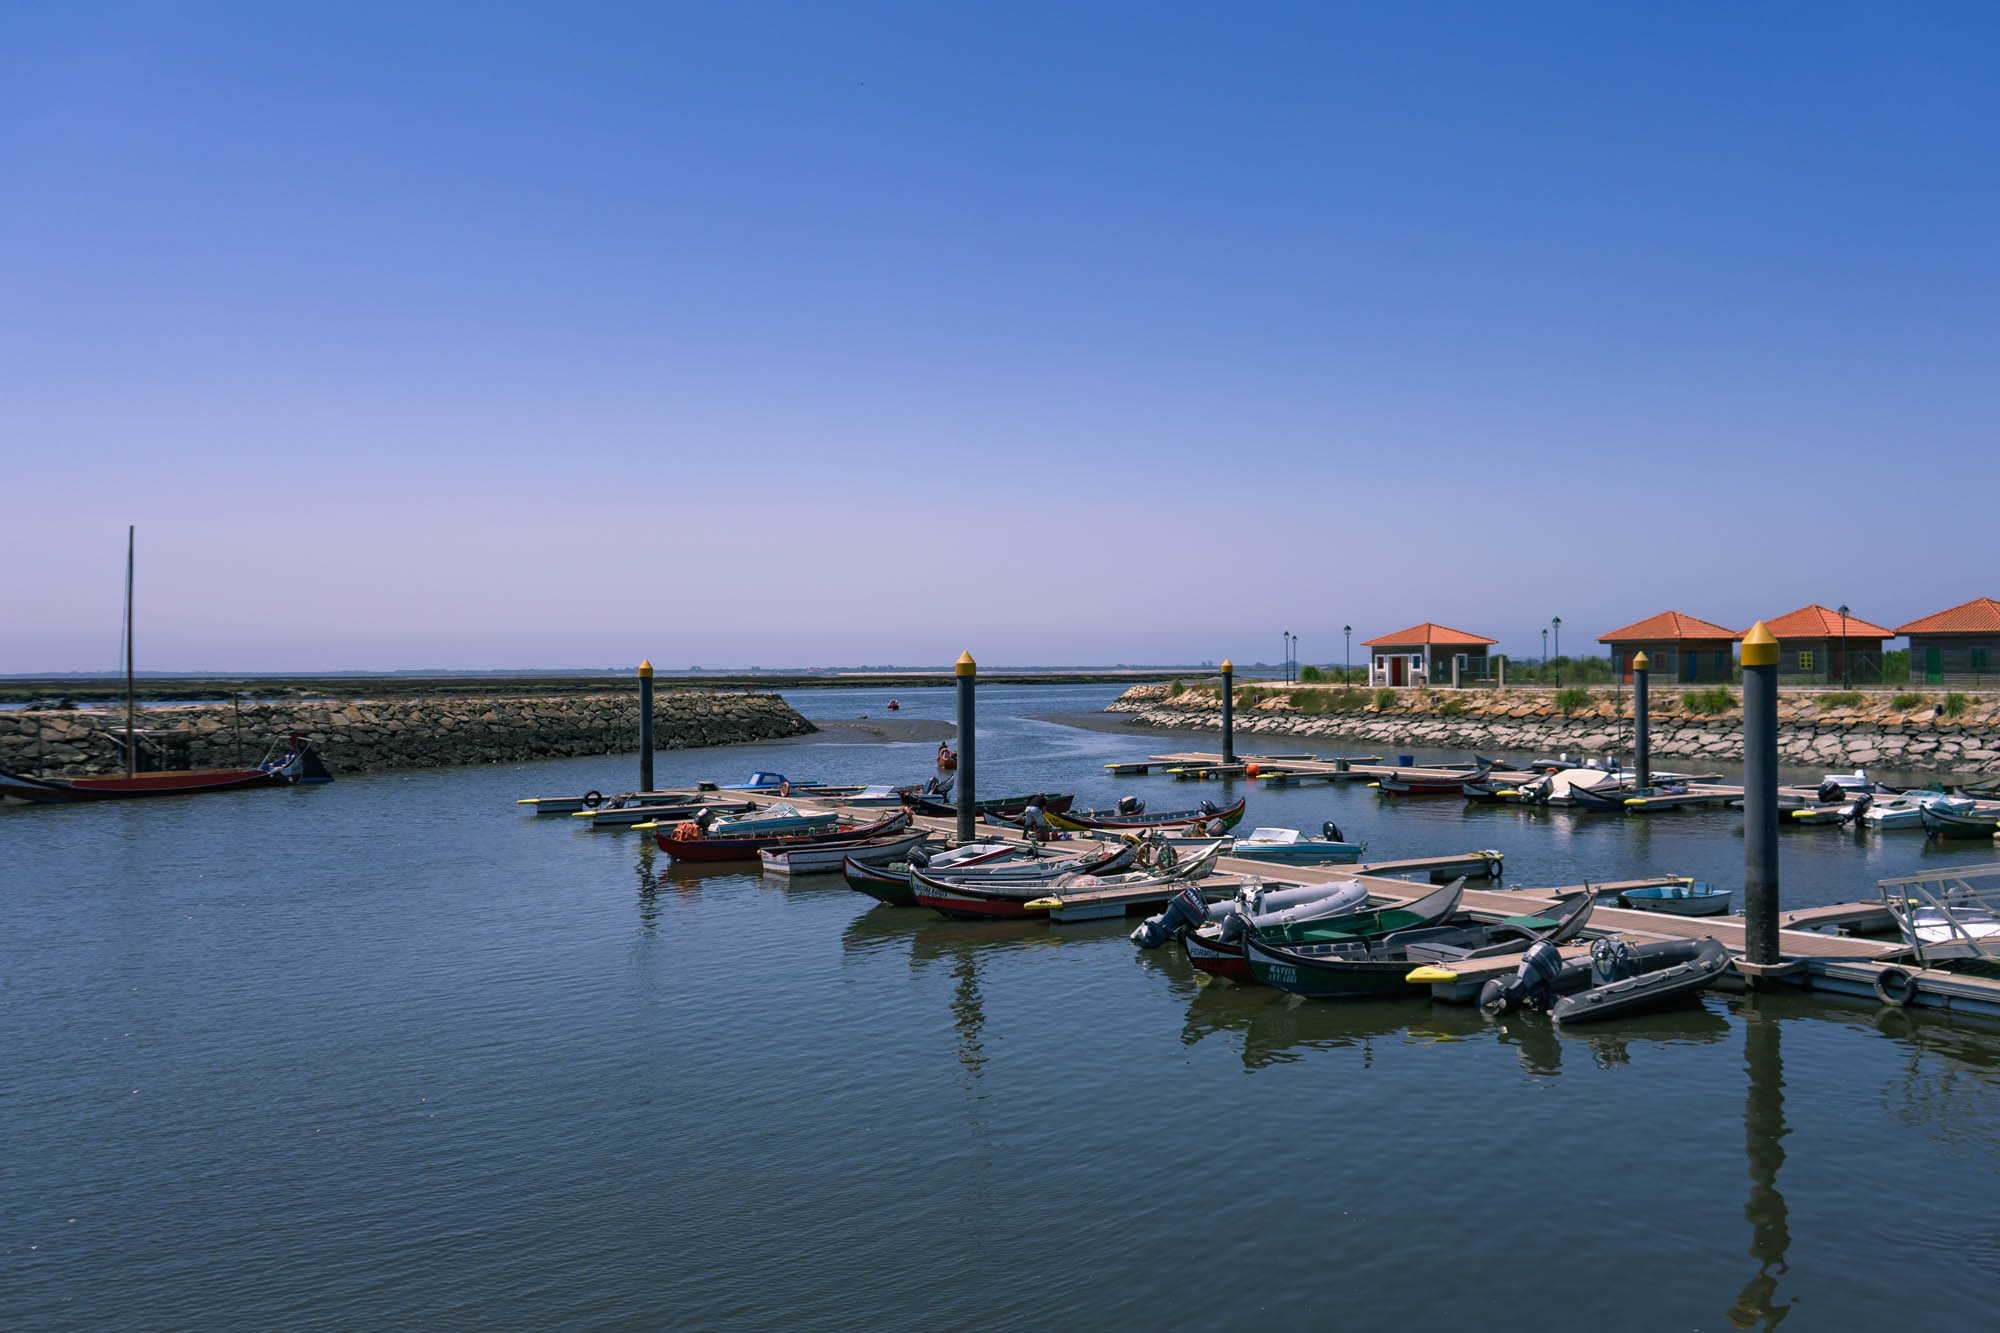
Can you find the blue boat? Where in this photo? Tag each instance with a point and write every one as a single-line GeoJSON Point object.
{"type": "Point", "coordinates": [1688, 898]}
{"type": "Point", "coordinates": [762, 781]}
{"type": "Point", "coordinates": [1286, 846]}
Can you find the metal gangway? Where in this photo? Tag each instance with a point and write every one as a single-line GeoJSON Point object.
{"type": "Point", "coordinates": [1951, 913]}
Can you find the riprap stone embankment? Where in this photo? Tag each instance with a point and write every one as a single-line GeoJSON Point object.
{"type": "Point", "coordinates": [367, 735]}
{"type": "Point", "coordinates": [1517, 722]}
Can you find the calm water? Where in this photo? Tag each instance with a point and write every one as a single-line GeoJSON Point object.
{"type": "Point", "coordinates": [388, 1052]}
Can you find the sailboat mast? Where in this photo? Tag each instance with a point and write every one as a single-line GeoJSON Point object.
{"type": "Point", "coordinates": [131, 739]}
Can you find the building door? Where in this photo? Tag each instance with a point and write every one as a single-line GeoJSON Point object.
{"type": "Point", "coordinates": [1396, 669]}
{"type": "Point", "coordinates": [1933, 666]}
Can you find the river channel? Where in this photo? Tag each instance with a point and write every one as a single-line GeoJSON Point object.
{"type": "Point", "coordinates": [389, 1052]}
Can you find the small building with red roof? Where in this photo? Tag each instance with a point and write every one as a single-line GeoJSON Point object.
{"type": "Point", "coordinates": [1821, 644]}
{"type": "Point", "coordinates": [1961, 641]}
{"type": "Point", "coordinates": [1421, 653]}
{"type": "Point", "coordinates": [1680, 647]}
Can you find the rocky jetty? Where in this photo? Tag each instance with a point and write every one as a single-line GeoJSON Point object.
{"type": "Point", "coordinates": [1920, 736]}
{"type": "Point", "coordinates": [370, 735]}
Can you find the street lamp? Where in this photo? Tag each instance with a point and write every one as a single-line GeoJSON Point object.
{"type": "Point", "coordinates": [1557, 621]}
{"type": "Point", "coordinates": [1347, 656]}
{"type": "Point", "coordinates": [1545, 649]}
{"type": "Point", "coordinates": [1843, 645]}
{"type": "Point", "coordinates": [1285, 663]}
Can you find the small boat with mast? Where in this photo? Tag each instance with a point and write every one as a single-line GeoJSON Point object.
{"type": "Point", "coordinates": [298, 763]}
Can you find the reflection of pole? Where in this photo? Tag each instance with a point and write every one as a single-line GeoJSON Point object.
{"type": "Point", "coordinates": [967, 672]}
{"type": "Point", "coordinates": [1764, 1144]}
{"type": "Point", "coordinates": [646, 726]}
{"type": "Point", "coordinates": [1228, 712]}
{"type": "Point", "coordinates": [1760, 796]}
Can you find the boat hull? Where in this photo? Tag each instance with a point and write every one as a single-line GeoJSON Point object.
{"type": "Point", "coordinates": [192, 782]}
{"type": "Point", "coordinates": [1215, 958]}
{"type": "Point", "coordinates": [1230, 817]}
{"type": "Point", "coordinates": [1345, 979]}
{"type": "Point", "coordinates": [752, 846]}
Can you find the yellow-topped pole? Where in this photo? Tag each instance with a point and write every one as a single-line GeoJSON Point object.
{"type": "Point", "coordinates": [1642, 731]}
{"type": "Point", "coordinates": [1228, 711]}
{"type": "Point", "coordinates": [967, 672]}
{"type": "Point", "coordinates": [646, 725]}
{"type": "Point", "coordinates": [1760, 796]}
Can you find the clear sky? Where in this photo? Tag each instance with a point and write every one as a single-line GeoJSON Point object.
{"type": "Point", "coordinates": [755, 334]}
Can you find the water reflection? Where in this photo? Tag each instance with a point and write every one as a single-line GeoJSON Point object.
{"type": "Point", "coordinates": [1277, 1028]}
{"type": "Point", "coordinates": [1764, 1144]}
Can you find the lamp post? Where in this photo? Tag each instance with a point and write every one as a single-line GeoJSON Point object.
{"type": "Point", "coordinates": [1843, 645]}
{"type": "Point", "coordinates": [1545, 650]}
{"type": "Point", "coordinates": [1557, 621]}
{"type": "Point", "coordinates": [1347, 655]}
{"type": "Point", "coordinates": [1285, 666]}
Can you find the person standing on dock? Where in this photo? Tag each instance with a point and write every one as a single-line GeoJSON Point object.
{"type": "Point", "coordinates": [1034, 823]}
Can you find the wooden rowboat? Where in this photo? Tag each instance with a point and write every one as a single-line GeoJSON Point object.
{"type": "Point", "coordinates": [1111, 821]}
{"type": "Point", "coordinates": [749, 845]}
{"type": "Point", "coordinates": [1961, 824]}
{"type": "Point", "coordinates": [827, 858]}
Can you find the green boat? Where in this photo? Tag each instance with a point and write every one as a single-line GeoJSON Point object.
{"type": "Point", "coordinates": [1381, 965]}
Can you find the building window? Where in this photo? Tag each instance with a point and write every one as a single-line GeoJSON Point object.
{"type": "Point", "coordinates": [1805, 662]}
{"type": "Point", "coordinates": [1979, 659]}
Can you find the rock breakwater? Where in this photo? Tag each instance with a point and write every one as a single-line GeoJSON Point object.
{"type": "Point", "coordinates": [364, 735]}
{"type": "Point", "coordinates": [1918, 737]}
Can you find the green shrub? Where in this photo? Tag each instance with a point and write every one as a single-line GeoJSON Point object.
{"type": "Point", "coordinates": [1385, 699]}
{"type": "Point", "coordinates": [1311, 675]}
{"type": "Point", "coordinates": [1452, 706]}
{"type": "Point", "coordinates": [1574, 700]}
{"type": "Point", "coordinates": [1707, 702]}
{"type": "Point", "coordinates": [1956, 704]}
{"type": "Point", "coordinates": [1903, 702]}
{"type": "Point", "coordinates": [1840, 699]}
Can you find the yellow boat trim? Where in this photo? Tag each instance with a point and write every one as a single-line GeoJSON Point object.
{"type": "Point", "coordinates": [582, 814]}
{"type": "Point", "coordinates": [1425, 976]}
{"type": "Point", "coordinates": [651, 823]}
{"type": "Point", "coordinates": [529, 800]}
{"type": "Point", "coordinates": [1042, 904]}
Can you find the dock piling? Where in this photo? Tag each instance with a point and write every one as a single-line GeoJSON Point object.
{"type": "Point", "coordinates": [967, 672]}
{"type": "Point", "coordinates": [1642, 738]}
{"type": "Point", "coordinates": [646, 725]}
{"type": "Point", "coordinates": [1228, 712]}
{"type": "Point", "coordinates": [1760, 797]}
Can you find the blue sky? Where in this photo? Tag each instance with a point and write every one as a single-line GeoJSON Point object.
{"type": "Point", "coordinates": [758, 334]}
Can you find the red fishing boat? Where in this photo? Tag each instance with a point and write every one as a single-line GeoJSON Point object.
{"type": "Point", "coordinates": [686, 842]}
{"type": "Point", "coordinates": [297, 764]}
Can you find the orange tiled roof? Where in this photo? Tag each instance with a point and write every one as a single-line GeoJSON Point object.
{"type": "Point", "coordinates": [1816, 622]}
{"type": "Point", "coordinates": [1668, 625]}
{"type": "Point", "coordinates": [1981, 615]}
{"type": "Point", "coordinates": [1427, 634]}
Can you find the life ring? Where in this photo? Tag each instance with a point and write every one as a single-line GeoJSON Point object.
{"type": "Point", "coordinates": [686, 831]}
{"type": "Point", "coordinates": [592, 799]}
{"type": "Point", "coordinates": [1895, 986]}
{"type": "Point", "coordinates": [784, 789]}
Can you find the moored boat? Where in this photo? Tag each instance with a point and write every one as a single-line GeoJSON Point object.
{"type": "Point", "coordinates": [828, 858]}
{"type": "Point", "coordinates": [1220, 951]}
{"type": "Point", "coordinates": [1052, 802]}
{"type": "Point", "coordinates": [1206, 817]}
{"type": "Point", "coordinates": [1429, 783]}
{"type": "Point", "coordinates": [1287, 846]}
{"type": "Point", "coordinates": [1975, 823]}
{"type": "Point", "coordinates": [1618, 979]}
{"type": "Point", "coordinates": [891, 882]}
{"type": "Point", "coordinates": [1687, 898]}
{"type": "Point", "coordinates": [1404, 961]}
{"type": "Point", "coordinates": [687, 841]}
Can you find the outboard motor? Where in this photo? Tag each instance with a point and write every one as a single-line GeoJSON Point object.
{"type": "Point", "coordinates": [1209, 808]}
{"type": "Point", "coordinates": [1331, 831]}
{"type": "Point", "coordinates": [1861, 802]}
{"type": "Point", "coordinates": [1531, 987]}
{"type": "Point", "coordinates": [1831, 792]}
{"type": "Point", "coordinates": [1131, 805]}
{"type": "Point", "coordinates": [1186, 910]}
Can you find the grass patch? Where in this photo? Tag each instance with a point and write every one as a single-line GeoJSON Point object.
{"type": "Point", "coordinates": [1574, 700]}
{"type": "Point", "coordinates": [1311, 675]}
{"type": "Point", "coordinates": [1385, 699]}
{"type": "Point", "coordinates": [1905, 702]}
{"type": "Point", "coordinates": [1452, 707]}
{"type": "Point", "coordinates": [1956, 705]}
{"type": "Point", "coordinates": [1840, 699]}
{"type": "Point", "coordinates": [1707, 703]}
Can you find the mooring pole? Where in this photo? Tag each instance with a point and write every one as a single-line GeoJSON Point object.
{"type": "Point", "coordinates": [1760, 796]}
{"type": "Point", "coordinates": [1642, 738]}
{"type": "Point", "coordinates": [967, 672]}
{"type": "Point", "coordinates": [1228, 712]}
{"type": "Point", "coordinates": [646, 725]}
